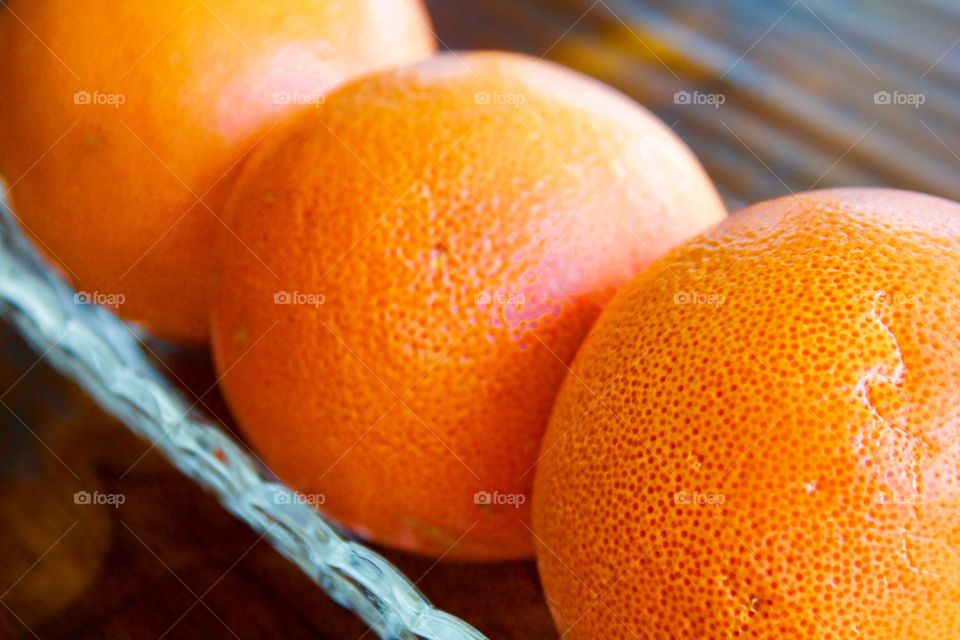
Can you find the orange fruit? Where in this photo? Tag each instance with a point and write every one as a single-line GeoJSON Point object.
{"type": "Point", "coordinates": [130, 118]}
{"type": "Point", "coordinates": [760, 436]}
{"type": "Point", "coordinates": [443, 235]}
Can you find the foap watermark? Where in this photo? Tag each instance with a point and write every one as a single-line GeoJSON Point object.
{"type": "Point", "coordinates": [899, 298]}
{"type": "Point", "coordinates": [499, 99]}
{"type": "Point", "coordinates": [486, 298]}
{"type": "Point", "coordinates": [97, 498]}
{"type": "Point", "coordinates": [699, 298]}
{"type": "Point", "coordinates": [99, 99]}
{"type": "Point", "coordinates": [309, 499]}
{"type": "Point", "coordinates": [299, 298]}
{"type": "Point", "coordinates": [96, 297]}
{"type": "Point", "coordinates": [714, 100]}
{"type": "Point", "coordinates": [495, 498]}
{"type": "Point", "coordinates": [299, 98]}
{"type": "Point", "coordinates": [899, 98]}
{"type": "Point", "coordinates": [893, 498]}
{"type": "Point", "coordinates": [699, 499]}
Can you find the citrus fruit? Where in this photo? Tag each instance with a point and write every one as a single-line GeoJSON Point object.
{"type": "Point", "coordinates": [760, 436]}
{"type": "Point", "coordinates": [443, 236]}
{"type": "Point", "coordinates": [131, 117]}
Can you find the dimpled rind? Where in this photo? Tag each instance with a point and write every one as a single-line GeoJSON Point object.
{"type": "Point", "coordinates": [130, 119]}
{"type": "Point", "coordinates": [759, 438]}
{"type": "Point", "coordinates": [445, 234]}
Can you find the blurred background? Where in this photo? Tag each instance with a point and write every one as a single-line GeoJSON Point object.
{"type": "Point", "coordinates": [775, 97]}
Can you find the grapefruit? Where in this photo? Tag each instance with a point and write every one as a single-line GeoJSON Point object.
{"type": "Point", "coordinates": [760, 437]}
{"type": "Point", "coordinates": [125, 123]}
{"type": "Point", "coordinates": [443, 236]}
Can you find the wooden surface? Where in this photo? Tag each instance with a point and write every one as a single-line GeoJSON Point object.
{"type": "Point", "coordinates": [170, 563]}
